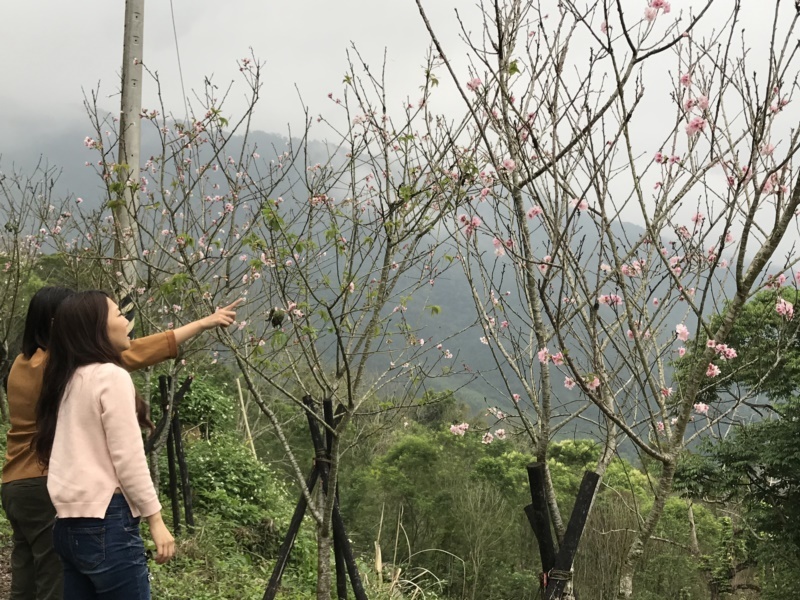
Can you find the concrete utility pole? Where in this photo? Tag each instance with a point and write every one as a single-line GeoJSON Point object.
{"type": "Point", "coordinates": [126, 250]}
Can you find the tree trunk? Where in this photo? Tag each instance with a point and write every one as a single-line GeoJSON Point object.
{"type": "Point", "coordinates": [324, 544]}
{"type": "Point", "coordinates": [636, 550]}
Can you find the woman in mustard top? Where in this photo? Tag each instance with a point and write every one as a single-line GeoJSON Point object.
{"type": "Point", "coordinates": [36, 571]}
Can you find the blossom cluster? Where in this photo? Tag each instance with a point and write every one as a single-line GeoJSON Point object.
{"type": "Point", "coordinates": [651, 12]}
{"type": "Point", "coordinates": [469, 225]}
{"type": "Point", "coordinates": [724, 351]}
{"type": "Point", "coordinates": [784, 309]}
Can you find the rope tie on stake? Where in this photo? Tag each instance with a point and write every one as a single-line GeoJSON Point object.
{"type": "Point", "coordinates": [558, 575]}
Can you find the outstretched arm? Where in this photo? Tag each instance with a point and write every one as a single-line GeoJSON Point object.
{"type": "Point", "coordinates": [222, 317]}
{"type": "Point", "coordinates": [153, 349]}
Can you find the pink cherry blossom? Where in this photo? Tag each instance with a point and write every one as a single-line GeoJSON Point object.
{"type": "Point", "coordinates": [515, 397]}
{"type": "Point", "coordinates": [474, 84]}
{"type": "Point", "coordinates": [545, 264]}
{"type": "Point", "coordinates": [712, 370]}
{"type": "Point", "coordinates": [725, 352]}
{"type": "Point", "coordinates": [569, 383]}
{"type": "Point", "coordinates": [509, 165]}
{"type": "Point", "coordinates": [610, 299]}
{"type": "Point", "coordinates": [701, 408]}
{"type": "Point", "coordinates": [660, 426]}
{"type": "Point", "coordinates": [488, 438]}
{"type": "Point", "coordinates": [558, 359]}
{"type": "Point", "coordinates": [682, 332]}
{"type": "Point", "coordinates": [499, 248]}
{"type": "Point", "coordinates": [543, 355]}
{"type": "Point", "coordinates": [698, 218]}
{"type": "Point", "coordinates": [767, 149]}
{"type": "Point", "coordinates": [604, 27]}
{"type": "Point", "coordinates": [580, 204]}
{"type": "Point", "coordinates": [681, 351]}
{"type": "Point", "coordinates": [459, 429]}
{"type": "Point", "coordinates": [785, 309]}
{"type": "Point", "coordinates": [686, 80]}
{"type": "Point", "coordinates": [695, 126]}
{"type": "Point", "coordinates": [534, 211]}
{"type": "Point", "coordinates": [593, 384]}
{"type": "Point", "coordinates": [666, 392]}
{"type": "Point", "coordinates": [500, 434]}
{"type": "Point", "coordinates": [650, 14]}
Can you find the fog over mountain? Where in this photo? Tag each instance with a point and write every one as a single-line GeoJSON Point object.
{"type": "Point", "coordinates": [63, 149]}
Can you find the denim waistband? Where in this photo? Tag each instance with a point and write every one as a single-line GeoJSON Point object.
{"type": "Point", "coordinates": [118, 504]}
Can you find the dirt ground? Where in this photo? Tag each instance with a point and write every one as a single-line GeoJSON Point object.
{"type": "Point", "coordinates": [5, 568]}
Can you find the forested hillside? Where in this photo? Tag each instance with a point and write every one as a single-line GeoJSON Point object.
{"type": "Point", "coordinates": [541, 345]}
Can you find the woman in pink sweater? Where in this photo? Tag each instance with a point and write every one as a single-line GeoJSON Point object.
{"type": "Point", "coordinates": [89, 420]}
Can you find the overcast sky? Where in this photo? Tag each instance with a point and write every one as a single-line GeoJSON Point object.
{"type": "Point", "coordinates": [50, 50]}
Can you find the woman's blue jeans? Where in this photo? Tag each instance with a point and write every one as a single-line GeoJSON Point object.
{"type": "Point", "coordinates": [103, 559]}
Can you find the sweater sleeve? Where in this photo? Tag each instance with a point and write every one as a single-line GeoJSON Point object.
{"type": "Point", "coordinates": [150, 350]}
{"type": "Point", "coordinates": [124, 438]}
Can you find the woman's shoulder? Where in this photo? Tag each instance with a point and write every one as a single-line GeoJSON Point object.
{"type": "Point", "coordinates": [103, 371]}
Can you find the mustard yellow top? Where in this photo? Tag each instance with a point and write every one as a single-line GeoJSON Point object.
{"type": "Point", "coordinates": [25, 385]}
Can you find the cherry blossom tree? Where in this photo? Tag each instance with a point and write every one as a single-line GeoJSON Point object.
{"type": "Point", "coordinates": [333, 245]}
{"type": "Point", "coordinates": [30, 215]}
{"type": "Point", "coordinates": [635, 174]}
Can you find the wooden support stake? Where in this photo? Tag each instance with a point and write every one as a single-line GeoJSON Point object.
{"type": "Point", "coordinates": [572, 537]}
{"type": "Point", "coordinates": [186, 487]}
{"type": "Point", "coordinates": [341, 568]}
{"type": "Point", "coordinates": [173, 485]}
{"type": "Point", "coordinates": [339, 532]}
{"type": "Point", "coordinates": [288, 542]}
{"type": "Point", "coordinates": [246, 421]}
{"type": "Point", "coordinates": [539, 515]}
{"type": "Point", "coordinates": [162, 429]}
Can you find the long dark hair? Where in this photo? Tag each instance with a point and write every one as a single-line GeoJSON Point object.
{"type": "Point", "coordinates": [41, 310]}
{"type": "Point", "coordinates": [78, 337]}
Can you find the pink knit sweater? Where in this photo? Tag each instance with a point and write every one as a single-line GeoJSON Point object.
{"type": "Point", "coordinates": [98, 446]}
